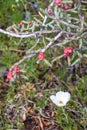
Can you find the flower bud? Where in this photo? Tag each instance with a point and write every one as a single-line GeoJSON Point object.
{"type": "Point", "coordinates": [68, 51]}
{"type": "Point", "coordinates": [41, 56]}
{"type": "Point", "coordinates": [58, 2]}
{"type": "Point", "coordinates": [9, 75]}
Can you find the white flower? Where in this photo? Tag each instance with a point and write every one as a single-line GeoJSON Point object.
{"type": "Point", "coordinates": [61, 98]}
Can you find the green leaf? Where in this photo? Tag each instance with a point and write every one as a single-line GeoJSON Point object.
{"type": "Point", "coordinates": [47, 62]}
{"type": "Point", "coordinates": [16, 1]}
{"type": "Point", "coordinates": [76, 61]}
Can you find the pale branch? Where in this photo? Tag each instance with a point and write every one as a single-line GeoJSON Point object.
{"type": "Point", "coordinates": [84, 2]}
{"type": "Point", "coordinates": [27, 34]}
{"type": "Point", "coordinates": [30, 54]}
{"type": "Point", "coordinates": [41, 30]}
{"type": "Point", "coordinates": [39, 50]}
{"type": "Point", "coordinates": [70, 39]}
{"type": "Point", "coordinates": [53, 40]}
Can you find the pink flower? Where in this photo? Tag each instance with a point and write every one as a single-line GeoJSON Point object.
{"type": "Point", "coordinates": [12, 72]}
{"type": "Point", "coordinates": [67, 6]}
{"type": "Point", "coordinates": [16, 69]}
{"type": "Point", "coordinates": [41, 56]}
{"type": "Point", "coordinates": [21, 24]}
{"type": "Point", "coordinates": [68, 51]}
{"type": "Point", "coordinates": [10, 75]}
{"type": "Point", "coordinates": [58, 2]}
{"type": "Point", "coordinates": [50, 11]}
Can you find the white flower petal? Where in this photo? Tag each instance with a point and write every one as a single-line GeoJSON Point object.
{"type": "Point", "coordinates": [67, 96]}
{"type": "Point", "coordinates": [54, 99]}
{"type": "Point", "coordinates": [60, 95]}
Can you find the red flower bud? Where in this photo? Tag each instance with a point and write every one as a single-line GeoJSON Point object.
{"type": "Point", "coordinates": [66, 7]}
{"type": "Point", "coordinates": [58, 2]}
{"type": "Point", "coordinates": [68, 51]}
{"type": "Point", "coordinates": [9, 75]}
{"type": "Point", "coordinates": [49, 11]}
{"type": "Point", "coordinates": [16, 69]}
{"type": "Point", "coordinates": [41, 56]}
{"type": "Point", "coordinates": [21, 24]}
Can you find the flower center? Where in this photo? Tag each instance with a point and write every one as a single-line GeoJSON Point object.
{"type": "Point", "coordinates": [60, 102]}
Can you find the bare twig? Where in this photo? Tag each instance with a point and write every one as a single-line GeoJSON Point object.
{"type": "Point", "coordinates": [27, 34]}
{"type": "Point", "coordinates": [53, 40]}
